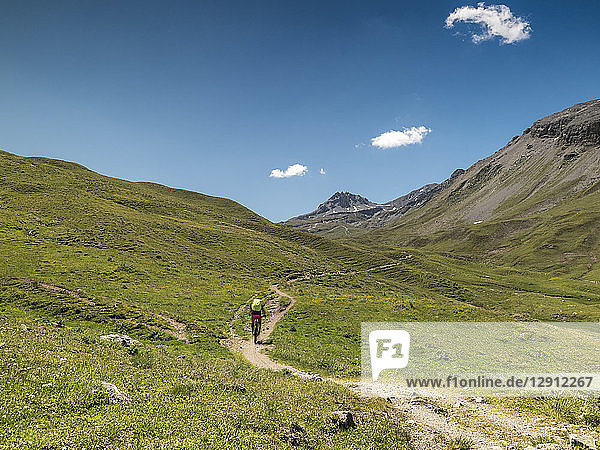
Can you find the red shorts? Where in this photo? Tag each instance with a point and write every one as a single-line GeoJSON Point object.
{"type": "Point", "coordinates": [255, 317]}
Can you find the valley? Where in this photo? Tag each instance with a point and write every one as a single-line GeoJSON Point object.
{"type": "Point", "coordinates": [512, 238]}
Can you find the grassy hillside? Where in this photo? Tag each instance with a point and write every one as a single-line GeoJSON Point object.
{"type": "Point", "coordinates": [51, 397]}
{"type": "Point", "coordinates": [321, 333]}
{"type": "Point", "coordinates": [85, 255]}
{"type": "Point", "coordinates": [181, 253]}
{"type": "Point", "coordinates": [534, 203]}
{"type": "Point", "coordinates": [562, 240]}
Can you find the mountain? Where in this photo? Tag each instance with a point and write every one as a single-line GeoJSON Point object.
{"type": "Point", "coordinates": [351, 213]}
{"type": "Point", "coordinates": [161, 248]}
{"type": "Point", "coordinates": [339, 203]}
{"type": "Point", "coordinates": [535, 200]}
{"type": "Point", "coordinates": [554, 159]}
{"type": "Point", "coordinates": [85, 256]}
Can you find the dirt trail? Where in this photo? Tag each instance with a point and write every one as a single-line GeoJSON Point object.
{"type": "Point", "coordinates": [435, 420]}
{"type": "Point", "coordinates": [308, 276]}
{"type": "Point", "coordinates": [177, 330]}
{"type": "Point", "coordinates": [254, 353]}
{"type": "Point", "coordinates": [74, 294]}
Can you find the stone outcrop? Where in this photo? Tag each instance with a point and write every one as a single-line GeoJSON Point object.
{"type": "Point", "coordinates": [114, 393]}
{"type": "Point", "coordinates": [578, 125]}
{"type": "Point", "coordinates": [122, 339]}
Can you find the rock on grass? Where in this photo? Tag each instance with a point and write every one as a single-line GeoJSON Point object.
{"type": "Point", "coordinates": [114, 392]}
{"type": "Point", "coordinates": [343, 419]}
{"type": "Point", "coordinates": [122, 339]}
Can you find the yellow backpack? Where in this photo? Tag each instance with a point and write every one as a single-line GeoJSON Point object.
{"type": "Point", "coordinates": [256, 305]}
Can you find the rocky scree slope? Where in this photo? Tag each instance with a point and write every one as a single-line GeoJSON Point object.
{"type": "Point", "coordinates": [539, 192]}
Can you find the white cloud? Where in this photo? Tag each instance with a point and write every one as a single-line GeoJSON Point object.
{"type": "Point", "coordinates": [295, 170]}
{"type": "Point", "coordinates": [391, 139]}
{"type": "Point", "coordinates": [495, 20]}
{"type": "Point", "coordinates": [322, 171]}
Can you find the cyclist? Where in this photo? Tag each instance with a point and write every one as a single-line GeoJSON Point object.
{"type": "Point", "coordinates": [257, 310]}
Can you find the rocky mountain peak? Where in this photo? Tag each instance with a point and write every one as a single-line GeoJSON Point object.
{"type": "Point", "coordinates": [579, 124]}
{"type": "Point", "coordinates": [457, 173]}
{"type": "Point", "coordinates": [347, 200]}
{"type": "Point", "coordinates": [351, 211]}
{"type": "Point", "coordinates": [340, 203]}
{"type": "Point", "coordinates": [554, 159]}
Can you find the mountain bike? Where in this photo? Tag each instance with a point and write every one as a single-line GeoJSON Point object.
{"type": "Point", "coordinates": [256, 329]}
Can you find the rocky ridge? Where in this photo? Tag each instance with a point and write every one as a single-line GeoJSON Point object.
{"type": "Point", "coordinates": [353, 213]}
{"type": "Point", "coordinates": [556, 158]}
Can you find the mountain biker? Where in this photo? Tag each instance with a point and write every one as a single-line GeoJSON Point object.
{"type": "Point", "coordinates": [257, 310]}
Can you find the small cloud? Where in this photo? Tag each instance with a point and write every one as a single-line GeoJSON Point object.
{"type": "Point", "coordinates": [495, 20]}
{"type": "Point", "coordinates": [391, 139]}
{"type": "Point", "coordinates": [322, 171]}
{"type": "Point", "coordinates": [295, 170]}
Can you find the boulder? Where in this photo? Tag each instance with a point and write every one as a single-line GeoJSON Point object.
{"type": "Point", "coordinates": [581, 441]}
{"type": "Point", "coordinates": [114, 393]}
{"type": "Point", "coordinates": [122, 339]}
{"type": "Point", "coordinates": [343, 419]}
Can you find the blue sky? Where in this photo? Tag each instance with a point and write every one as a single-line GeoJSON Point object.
{"type": "Point", "coordinates": [213, 95]}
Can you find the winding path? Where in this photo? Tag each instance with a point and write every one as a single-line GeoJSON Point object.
{"type": "Point", "coordinates": [254, 353]}
{"type": "Point", "coordinates": [176, 329]}
{"type": "Point", "coordinates": [435, 420]}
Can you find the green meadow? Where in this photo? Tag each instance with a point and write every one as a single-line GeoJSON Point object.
{"type": "Point", "coordinates": [322, 331]}
{"type": "Point", "coordinates": [180, 396]}
{"type": "Point", "coordinates": [143, 255]}
{"type": "Point", "coordinates": [84, 255]}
